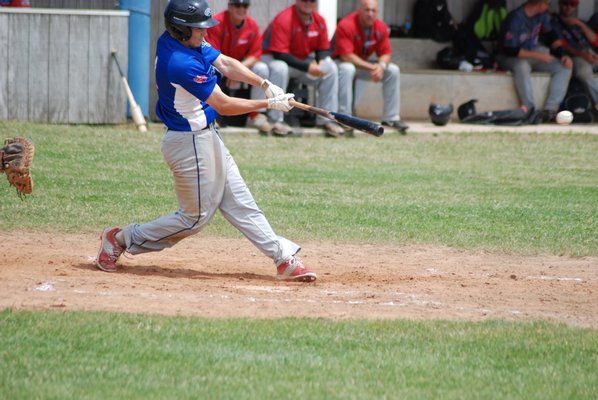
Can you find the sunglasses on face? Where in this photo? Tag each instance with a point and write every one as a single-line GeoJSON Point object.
{"type": "Point", "coordinates": [565, 4]}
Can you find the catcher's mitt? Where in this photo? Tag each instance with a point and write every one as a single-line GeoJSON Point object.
{"type": "Point", "coordinates": [15, 161]}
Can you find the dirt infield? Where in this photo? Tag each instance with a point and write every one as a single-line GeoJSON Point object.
{"type": "Point", "coordinates": [216, 277]}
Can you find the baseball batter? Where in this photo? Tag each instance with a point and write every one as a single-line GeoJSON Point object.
{"type": "Point", "coordinates": [206, 177]}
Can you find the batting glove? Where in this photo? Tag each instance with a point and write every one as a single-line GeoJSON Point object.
{"type": "Point", "coordinates": [271, 89]}
{"type": "Point", "coordinates": [281, 102]}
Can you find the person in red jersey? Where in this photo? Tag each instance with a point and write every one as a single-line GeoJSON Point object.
{"type": "Point", "coordinates": [238, 36]}
{"type": "Point", "coordinates": [296, 45]}
{"type": "Point", "coordinates": [362, 49]}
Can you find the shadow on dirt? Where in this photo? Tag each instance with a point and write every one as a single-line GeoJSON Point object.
{"type": "Point", "coordinates": [156, 270]}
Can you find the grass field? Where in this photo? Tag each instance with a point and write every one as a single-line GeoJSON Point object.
{"type": "Point", "coordinates": [504, 192]}
{"type": "Point", "coordinates": [97, 355]}
{"type": "Point", "coordinates": [507, 192]}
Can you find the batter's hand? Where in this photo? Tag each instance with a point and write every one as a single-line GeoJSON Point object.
{"type": "Point", "coordinates": [271, 89]}
{"type": "Point", "coordinates": [281, 102]}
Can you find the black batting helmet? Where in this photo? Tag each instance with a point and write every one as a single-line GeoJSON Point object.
{"type": "Point", "coordinates": [467, 109]}
{"type": "Point", "coordinates": [182, 15]}
{"type": "Point", "coordinates": [440, 115]}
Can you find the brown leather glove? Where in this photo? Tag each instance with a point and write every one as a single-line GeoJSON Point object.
{"type": "Point", "coordinates": [16, 158]}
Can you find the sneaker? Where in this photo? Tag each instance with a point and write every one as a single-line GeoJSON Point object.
{"type": "Point", "coordinates": [333, 129]}
{"type": "Point", "coordinates": [548, 116]}
{"type": "Point", "coordinates": [534, 117]}
{"type": "Point", "coordinates": [260, 122]}
{"type": "Point", "coordinates": [347, 131]}
{"type": "Point", "coordinates": [397, 124]}
{"type": "Point", "coordinates": [110, 250]}
{"type": "Point", "coordinates": [281, 128]}
{"type": "Point", "coordinates": [292, 269]}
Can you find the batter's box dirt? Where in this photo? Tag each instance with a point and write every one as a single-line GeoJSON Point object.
{"type": "Point", "coordinates": [216, 277]}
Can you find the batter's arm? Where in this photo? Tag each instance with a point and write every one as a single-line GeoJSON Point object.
{"type": "Point", "coordinates": [235, 70]}
{"type": "Point", "coordinates": [227, 105]}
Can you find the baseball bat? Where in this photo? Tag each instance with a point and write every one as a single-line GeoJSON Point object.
{"type": "Point", "coordinates": [348, 120]}
{"type": "Point", "coordinates": [135, 109]}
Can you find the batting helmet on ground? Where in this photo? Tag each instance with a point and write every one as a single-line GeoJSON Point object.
{"type": "Point", "coordinates": [440, 115]}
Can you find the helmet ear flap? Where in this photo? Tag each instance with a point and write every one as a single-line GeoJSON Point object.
{"type": "Point", "coordinates": [185, 32]}
{"type": "Point", "coordinates": [179, 32]}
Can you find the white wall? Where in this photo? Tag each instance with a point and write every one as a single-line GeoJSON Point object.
{"type": "Point", "coordinates": [328, 9]}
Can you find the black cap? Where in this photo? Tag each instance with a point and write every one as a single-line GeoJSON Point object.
{"type": "Point", "coordinates": [239, 2]}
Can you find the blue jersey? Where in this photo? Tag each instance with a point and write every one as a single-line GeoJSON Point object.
{"type": "Point", "coordinates": [572, 34]}
{"type": "Point", "coordinates": [185, 79]}
{"type": "Point", "coordinates": [522, 32]}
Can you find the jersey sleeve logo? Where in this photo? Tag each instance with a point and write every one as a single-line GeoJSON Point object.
{"type": "Point", "coordinates": [200, 79]}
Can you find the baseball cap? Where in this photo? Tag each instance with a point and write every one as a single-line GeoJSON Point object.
{"type": "Point", "coordinates": [574, 3]}
{"type": "Point", "coordinates": [238, 2]}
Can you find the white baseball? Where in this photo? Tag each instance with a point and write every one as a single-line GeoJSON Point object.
{"type": "Point", "coordinates": [564, 117]}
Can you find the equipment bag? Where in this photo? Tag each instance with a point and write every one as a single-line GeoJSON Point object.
{"type": "Point", "coordinates": [433, 20]}
{"type": "Point", "coordinates": [578, 101]}
{"type": "Point", "coordinates": [512, 117]}
{"type": "Point", "coordinates": [486, 18]}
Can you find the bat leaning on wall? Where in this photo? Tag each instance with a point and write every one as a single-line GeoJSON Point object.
{"type": "Point", "coordinates": [135, 109]}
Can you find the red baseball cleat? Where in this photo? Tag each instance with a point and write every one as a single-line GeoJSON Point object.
{"type": "Point", "coordinates": [292, 269]}
{"type": "Point", "coordinates": [110, 250]}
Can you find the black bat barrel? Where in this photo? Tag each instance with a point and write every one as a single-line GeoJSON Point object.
{"type": "Point", "coordinates": [360, 124]}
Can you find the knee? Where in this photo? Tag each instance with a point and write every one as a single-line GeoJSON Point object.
{"type": "Point", "coordinates": [330, 69]}
{"type": "Point", "coordinates": [278, 67]}
{"type": "Point", "coordinates": [582, 70]}
{"type": "Point", "coordinates": [189, 217]}
{"type": "Point", "coordinates": [565, 72]}
{"type": "Point", "coordinates": [346, 70]}
{"type": "Point", "coordinates": [261, 69]}
{"type": "Point", "coordinates": [522, 67]}
{"type": "Point", "coordinates": [393, 69]}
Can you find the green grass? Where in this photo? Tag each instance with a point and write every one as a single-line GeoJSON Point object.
{"type": "Point", "coordinates": [508, 192]}
{"type": "Point", "coordinates": [99, 355]}
{"type": "Point", "coordinates": [516, 193]}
